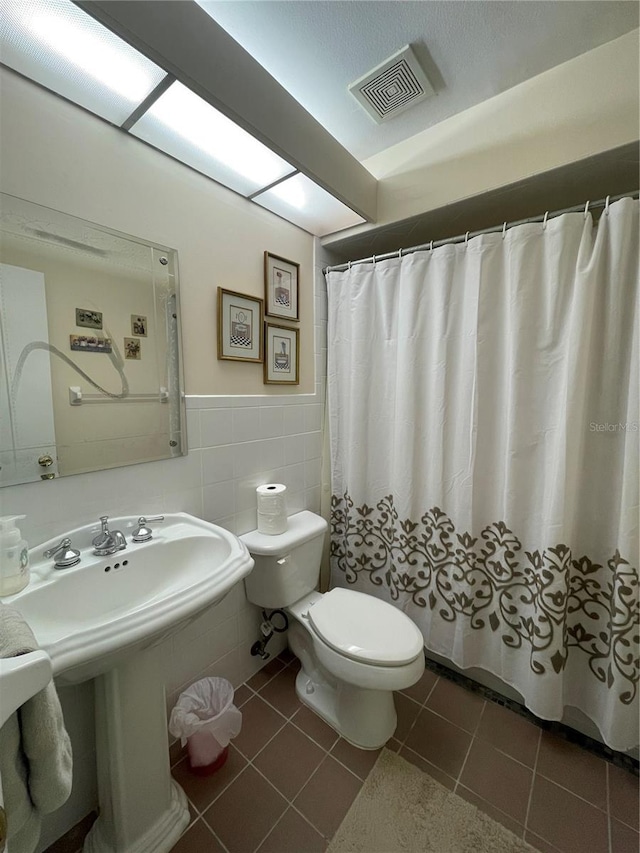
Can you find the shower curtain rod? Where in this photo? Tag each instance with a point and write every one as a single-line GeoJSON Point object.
{"type": "Point", "coordinates": [603, 202]}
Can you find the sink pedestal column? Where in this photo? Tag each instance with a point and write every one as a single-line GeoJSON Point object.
{"type": "Point", "coordinates": [142, 810]}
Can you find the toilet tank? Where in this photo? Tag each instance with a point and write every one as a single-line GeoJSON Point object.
{"type": "Point", "coordinates": [287, 565]}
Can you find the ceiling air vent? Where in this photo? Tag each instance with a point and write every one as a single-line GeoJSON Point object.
{"type": "Point", "coordinates": [393, 86]}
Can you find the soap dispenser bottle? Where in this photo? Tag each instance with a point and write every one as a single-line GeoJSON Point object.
{"type": "Point", "coordinates": [14, 556]}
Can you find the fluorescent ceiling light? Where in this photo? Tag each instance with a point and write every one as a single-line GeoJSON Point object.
{"type": "Point", "coordinates": [91, 52]}
{"type": "Point", "coordinates": [301, 201]}
{"type": "Point", "coordinates": [58, 45]}
{"type": "Point", "coordinates": [187, 127]}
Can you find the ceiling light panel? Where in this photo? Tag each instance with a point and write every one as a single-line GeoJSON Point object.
{"type": "Point", "coordinates": [301, 201]}
{"type": "Point", "coordinates": [184, 125]}
{"type": "Point", "coordinates": [61, 47]}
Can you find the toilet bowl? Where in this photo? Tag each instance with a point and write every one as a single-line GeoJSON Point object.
{"type": "Point", "coordinates": [354, 649]}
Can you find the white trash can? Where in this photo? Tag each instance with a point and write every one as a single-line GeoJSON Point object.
{"type": "Point", "coordinates": [206, 719]}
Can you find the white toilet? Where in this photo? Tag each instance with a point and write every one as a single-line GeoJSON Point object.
{"type": "Point", "coordinates": [354, 649]}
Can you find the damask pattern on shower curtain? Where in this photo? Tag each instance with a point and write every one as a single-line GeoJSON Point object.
{"type": "Point", "coordinates": [547, 601]}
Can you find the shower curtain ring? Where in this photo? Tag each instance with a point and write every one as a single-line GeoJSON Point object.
{"type": "Point", "coordinates": [349, 265]}
{"type": "Point", "coordinates": [544, 221]}
{"type": "Point", "coordinates": [431, 247]}
{"type": "Point", "coordinates": [466, 239]}
{"type": "Point", "coordinates": [374, 259]}
{"type": "Point", "coordinates": [504, 230]}
{"type": "Point", "coordinates": [400, 253]}
{"type": "Point", "coordinates": [606, 205]}
{"type": "Point", "coordinates": [586, 209]}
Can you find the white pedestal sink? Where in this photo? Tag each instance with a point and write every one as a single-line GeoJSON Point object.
{"type": "Point", "coordinates": [103, 619]}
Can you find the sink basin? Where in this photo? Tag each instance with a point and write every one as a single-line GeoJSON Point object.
{"type": "Point", "coordinates": [87, 618]}
{"type": "Point", "coordinates": [104, 619]}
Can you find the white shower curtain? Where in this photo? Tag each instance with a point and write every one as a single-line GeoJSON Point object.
{"type": "Point", "coordinates": [484, 447]}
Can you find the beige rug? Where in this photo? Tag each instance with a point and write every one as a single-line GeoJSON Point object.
{"type": "Point", "coordinates": [400, 809]}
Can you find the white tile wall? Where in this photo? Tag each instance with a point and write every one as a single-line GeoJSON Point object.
{"type": "Point", "coordinates": [235, 444]}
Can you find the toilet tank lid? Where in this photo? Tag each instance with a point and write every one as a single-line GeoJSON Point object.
{"type": "Point", "coordinates": [302, 527]}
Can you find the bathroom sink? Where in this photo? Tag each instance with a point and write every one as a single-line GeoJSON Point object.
{"type": "Point", "coordinates": [91, 615]}
{"type": "Point", "coordinates": [103, 619]}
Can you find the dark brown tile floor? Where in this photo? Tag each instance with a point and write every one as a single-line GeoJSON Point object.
{"type": "Point", "coordinates": [290, 779]}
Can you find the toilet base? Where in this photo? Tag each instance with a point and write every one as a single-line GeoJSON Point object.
{"type": "Point", "coordinates": [364, 718]}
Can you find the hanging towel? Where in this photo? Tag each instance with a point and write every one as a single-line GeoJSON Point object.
{"type": "Point", "coordinates": [35, 750]}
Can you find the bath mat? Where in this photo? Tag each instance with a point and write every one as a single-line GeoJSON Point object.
{"type": "Point", "coordinates": [400, 809]}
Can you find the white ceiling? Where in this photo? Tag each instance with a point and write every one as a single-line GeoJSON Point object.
{"type": "Point", "coordinates": [470, 49]}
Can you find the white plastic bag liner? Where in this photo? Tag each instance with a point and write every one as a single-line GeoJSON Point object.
{"type": "Point", "coordinates": [206, 706]}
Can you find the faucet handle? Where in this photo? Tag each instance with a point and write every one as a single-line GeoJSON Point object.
{"type": "Point", "coordinates": [143, 532]}
{"type": "Point", "coordinates": [65, 555]}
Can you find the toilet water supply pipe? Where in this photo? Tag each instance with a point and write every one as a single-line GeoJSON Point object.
{"type": "Point", "coordinates": [267, 629]}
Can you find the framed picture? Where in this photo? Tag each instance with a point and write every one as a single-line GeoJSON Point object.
{"type": "Point", "coordinates": [84, 343]}
{"type": "Point", "coordinates": [132, 348]}
{"type": "Point", "coordinates": [88, 318]}
{"type": "Point", "coordinates": [240, 320]}
{"type": "Point", "coordinates": [281, 287]}
{"type": "Point", "coordinates": [281, 355]}
{"type": "Point", "coordinates": [139, 325]}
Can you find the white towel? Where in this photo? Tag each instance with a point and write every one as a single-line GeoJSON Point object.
{"type": "Point", "coordinates": [35, 750]}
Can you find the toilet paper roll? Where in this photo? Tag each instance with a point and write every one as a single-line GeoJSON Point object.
{"type": "Point", "coordinates": [272, 508]}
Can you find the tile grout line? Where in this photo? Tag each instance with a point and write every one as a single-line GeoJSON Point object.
{"type": "Point", "coordinates": [266, 743]}
{"type": "Point", "coordinates": [300, 729]}
{"type": "Point", "coordinates": [249, 764]}
{"type": "Point", "coordinates": [494, 808]}
{"type": "Point", "coordinates": [353, 773]}
{"type": "Point", "coordinates": [290, 803]}
{"type": "Point", "coordinates": [609, 827]}
{"type": "Point", "coordinates": [421, 707]}
{"type": "Point", "coordinates": [464, 763]}
{"type": "Point", "coordinates": [429, 764]}
{"type": "Point", "coordinates": [604, 809]}
{"type": "Point", "coordinates": [217, 837]}
{"type": "Point", "coordinates": [533, 782]}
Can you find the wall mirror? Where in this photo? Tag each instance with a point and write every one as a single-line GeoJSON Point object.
{"type": "Point", "coordinates": [90, 360]}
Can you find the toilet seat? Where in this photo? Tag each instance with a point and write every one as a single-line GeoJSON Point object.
{"type": "Point", "coordinates": [365, 629]}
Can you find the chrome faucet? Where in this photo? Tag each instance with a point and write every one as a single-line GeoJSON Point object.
{"type": "Point", "coordinates": [64, 555]}
{"type": "Point", "coordinates": [143, 532]}
{"type": "Point", "coordinates": [107, 542]}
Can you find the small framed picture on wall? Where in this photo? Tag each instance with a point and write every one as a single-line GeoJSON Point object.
{"type": "Point", "coordinates": [139, 325]}
{"type": "Point", "coordinates": [281, 287]}
{"type": "Point", "coordinates": [240, 322]}
{"type": "Point", "coordinates": [281, 355]}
